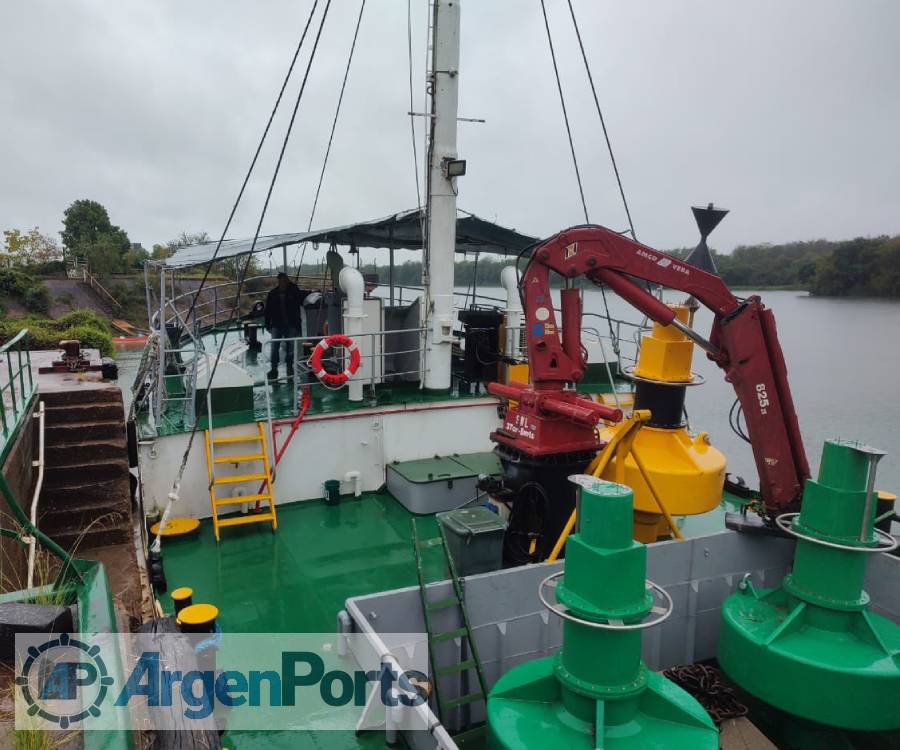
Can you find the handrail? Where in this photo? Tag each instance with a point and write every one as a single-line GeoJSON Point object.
{"type": "Point", "coordinates": [96, 285]}
{"type": "Point", "coordinates": [20, 405]}
{"type": "Point", "coordinates": [30, 529]}
{"type": "Point", "coordinates": [19, 398]}
{"type": "Point", "coordinates": [192, 293]}
{"type": "Point", "coordinates": [36, 494]}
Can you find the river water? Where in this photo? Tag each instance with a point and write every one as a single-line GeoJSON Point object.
{"type": "Point", "coordinates": [843, 359]}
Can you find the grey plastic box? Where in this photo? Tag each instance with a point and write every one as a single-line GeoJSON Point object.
{"type": "Point", "coordinates": [442, 483]}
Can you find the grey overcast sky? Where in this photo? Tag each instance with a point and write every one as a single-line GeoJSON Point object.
{"type": "Point", "coordinates": [785, 111]}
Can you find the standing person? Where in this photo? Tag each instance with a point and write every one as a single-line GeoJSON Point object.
{"type": "Point", "coordinates": [283, 322]}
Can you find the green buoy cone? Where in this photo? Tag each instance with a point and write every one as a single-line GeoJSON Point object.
{"type": "Point", "coordinates": [812, 647]}
{"type": "Point", "coordinates": [596, 692]}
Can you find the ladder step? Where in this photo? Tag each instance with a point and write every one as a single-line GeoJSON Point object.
{"type": "Point", "coordinates": [250, 518]}
{"type": "Point", "coordinates": [239, 459]}
{"type": "Point", "coordinates": [435, 541]}
{"type": "Point", "coordinates": [470, 735]}
{"type": "Point", "coordinates": [236, 439]}
{"type": "Point", "coordinates": [237, 478]}
{"type": "Point", "coordinates": [455, 668]}
{"type": "Point", "coordinates": [241, 499]}
{"type": "Point", "coordinates": [462, 701]}
{"type": "Point", "coordinates": [449, 635]}
{"type": "Point", "coordinates": [442, 603]}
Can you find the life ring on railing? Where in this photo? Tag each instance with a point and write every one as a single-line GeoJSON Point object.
{"type": "Point", "coordinates": [315, 361]}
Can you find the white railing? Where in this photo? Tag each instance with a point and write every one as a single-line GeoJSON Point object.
{"type": "Point", "coordinates": [618, 341]}
{"type": "Point", "coordinates": [216, 304]}
{"type": "Point", "coordinates": [369, 354]}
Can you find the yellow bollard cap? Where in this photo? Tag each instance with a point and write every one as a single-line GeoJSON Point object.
{"type": "Point", "coordinates": [198, 614]}
{"type": "Point", "coordinates": [182, 593]}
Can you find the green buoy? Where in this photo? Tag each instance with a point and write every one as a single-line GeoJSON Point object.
{"type": "Point", "coordinates": [596, 692]}
{"type": "Point", "coordinates": [812, 647]}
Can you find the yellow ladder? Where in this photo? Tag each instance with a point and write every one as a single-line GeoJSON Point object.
{"type": "Point", "coordinates": [263, 479]}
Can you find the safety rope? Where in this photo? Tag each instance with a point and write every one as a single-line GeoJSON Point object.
{"type": "Point", "coordinates": [609, 147]}
{"type": "Point", "coordinates": [176, 486]}
{"type": "Point", "coordinates": [334, 122]}
{"type": "Point", "coordinates": [562, 101]}
{"type": "Point", "coordinates": [253, 161]}
{"type": "Point", "coordinates": [412, 116]}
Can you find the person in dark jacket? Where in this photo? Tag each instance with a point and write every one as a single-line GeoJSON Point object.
{"type": "Point", "coordinates": [283, 322]}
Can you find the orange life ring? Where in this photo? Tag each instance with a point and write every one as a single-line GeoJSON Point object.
{"type": "Point", "coordinates": [315, 361]}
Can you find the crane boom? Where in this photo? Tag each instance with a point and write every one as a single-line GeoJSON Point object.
{"type": "Point", "coordinates": [743, 341]}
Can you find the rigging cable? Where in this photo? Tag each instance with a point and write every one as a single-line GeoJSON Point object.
{"type": "Point", "coordinates": [259, 147]}
{"type": "Point", "coordinates": [173, 495]}
{"type": "Point", "coordinates": [412, 117]}
{"type": "Point", "coordinates": [609, 147]}
{"type": "Point", "coordinates": [334, 122]}
{"type": "Point", "coordinates": [562, 101]}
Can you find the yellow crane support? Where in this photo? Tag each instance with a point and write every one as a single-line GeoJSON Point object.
{"type": "Point", "coordinates": [620, 446]}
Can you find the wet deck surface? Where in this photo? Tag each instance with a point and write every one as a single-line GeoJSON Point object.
{"type": "Point", "coordinates": [297, 579]}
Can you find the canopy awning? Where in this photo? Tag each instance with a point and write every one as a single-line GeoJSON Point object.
{"type": "Point", "coordinates": [402, 231]}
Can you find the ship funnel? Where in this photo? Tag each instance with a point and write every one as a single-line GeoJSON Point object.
{"type": "Point", "coordinates": [707, 219]}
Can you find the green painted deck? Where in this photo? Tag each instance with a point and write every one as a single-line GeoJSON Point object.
{"type": "Point", "coordinates": [296, 580]}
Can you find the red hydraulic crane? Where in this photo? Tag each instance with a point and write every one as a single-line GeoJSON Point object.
{"type": "Point", "coordinates": [550, 418]}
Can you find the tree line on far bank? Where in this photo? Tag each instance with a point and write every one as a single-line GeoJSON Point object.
{"type": "Point", "coordinates": [864, 266]}
{"type": "Point", "coordinates": [861, 267]}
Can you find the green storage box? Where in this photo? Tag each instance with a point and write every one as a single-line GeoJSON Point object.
{"type": "Point", "coordinates": [474, 539]}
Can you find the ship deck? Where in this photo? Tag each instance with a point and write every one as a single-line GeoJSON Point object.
{"type": "Point", "coordinates": [297, 579]}
{"type": "Point", "coordinates": [279, 400]}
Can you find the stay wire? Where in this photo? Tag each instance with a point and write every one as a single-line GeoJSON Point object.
{"type": "Point", "coordinates": [412, 117]}
{"type": "Point", "coordinates": [287, 135]}
{"type": "Point", "coordinates": [256, 154]}
{"type": "Point", "coordinates": [562, 101]}
{"type": "Point", "coordinates": [334, 122]}
{"type": "Point", "coordinates": [609, 147]}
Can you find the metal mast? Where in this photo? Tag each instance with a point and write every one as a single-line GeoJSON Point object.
{"type": "Point", "coordinates": [440, 241]}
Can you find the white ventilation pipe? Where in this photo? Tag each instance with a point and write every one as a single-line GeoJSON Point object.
{"type": "Point", "coordinates": [354, 478]}
{"type": "Point", "coordinates": [354, 286]}
{"type": "Point", "coordinates": [509, 280]}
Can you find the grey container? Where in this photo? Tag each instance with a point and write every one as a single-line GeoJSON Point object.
{"type": "Point", "coordinates": [432, 485]}
{"type": "Point", "coordinates": [474, 539]}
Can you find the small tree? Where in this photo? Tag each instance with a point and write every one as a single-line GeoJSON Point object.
{"type": "Point", "coordinates": [162, 251]}
{"type": "Point", "coordinates": [28, 249]}
{"type": "Point", "coordinates": [88, 231]}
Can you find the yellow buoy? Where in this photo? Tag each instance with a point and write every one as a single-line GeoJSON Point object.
{"type": "Point", "coordinates": [687, 473]}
